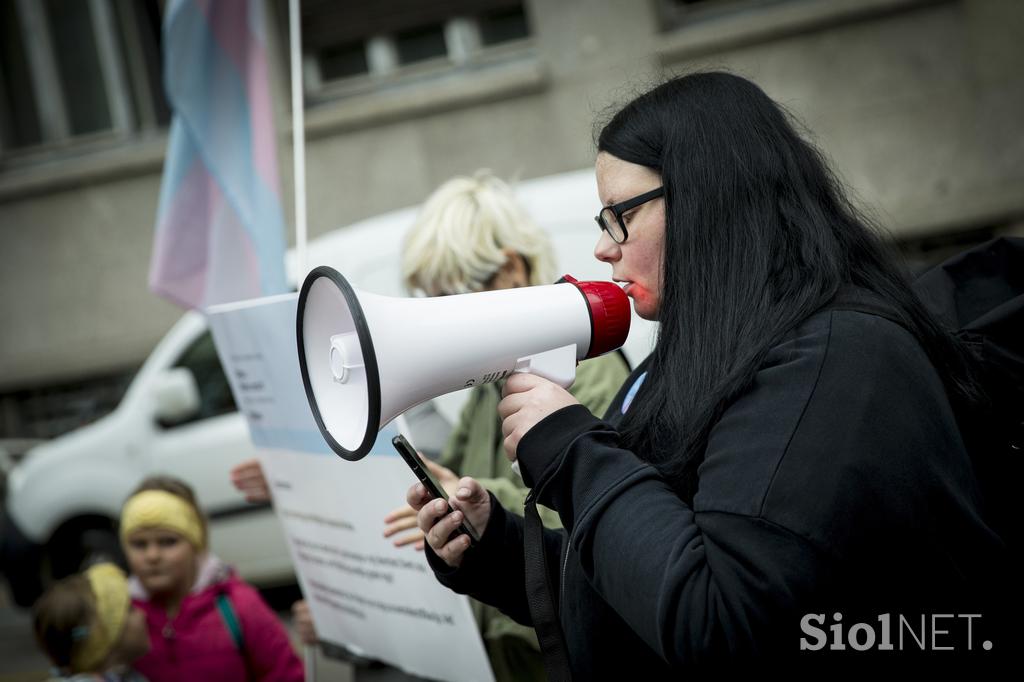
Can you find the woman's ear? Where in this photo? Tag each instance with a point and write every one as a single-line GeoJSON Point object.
{"type": "Point", "coordinates": [512, 275]}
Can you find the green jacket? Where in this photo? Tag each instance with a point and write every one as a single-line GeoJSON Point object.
{"type": "Point", "coordinates": [475, 449]}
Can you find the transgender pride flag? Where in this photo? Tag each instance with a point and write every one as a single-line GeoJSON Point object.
{"type": "Point", "coordinates": [220, 228]}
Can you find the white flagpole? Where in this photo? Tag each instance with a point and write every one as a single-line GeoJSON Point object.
{"type": "Point", "coordinates": [298, 140]}
{"type": "Point", "coordinates": [299, 165]}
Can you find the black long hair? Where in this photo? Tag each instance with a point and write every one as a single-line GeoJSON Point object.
{"type": "Point", "coordinates": [759, 235]}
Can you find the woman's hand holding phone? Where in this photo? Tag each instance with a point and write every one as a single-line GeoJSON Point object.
{"type": "Point", "coordinates": [404, 518]}
{"type": "Point", "coordinates": [471, 502]}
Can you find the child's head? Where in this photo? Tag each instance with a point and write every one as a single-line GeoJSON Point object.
{"type": "Point", "coordinates": [86, 622]}
{"type": "Point", "coordinates": [163, 534]}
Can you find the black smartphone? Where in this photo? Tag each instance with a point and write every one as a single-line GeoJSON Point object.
{"type": "Point", "coordinates": [412, 458]}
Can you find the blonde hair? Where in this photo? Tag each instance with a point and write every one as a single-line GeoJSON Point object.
{"type": "Point", "coordinates": [459, 239]}
{"type": "Point", "coordinates": [79, 620]}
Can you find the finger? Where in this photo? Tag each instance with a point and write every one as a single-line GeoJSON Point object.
{"type": "Point", "coordinates": [399, 513]}
{"type": "Point", "coordinates": [453, 551]}
{"type": "Point", "coordinates": [429, 514]}
{"type": "Point", "coordinates": [420, 545]}
{"type": "Point", "coordinates": [469, 492]}
{"type": "Point", "coordinates": [245, 485]}
{"type": "Point", "coordinates": [520, 382]}
{"type": "Point", "coordinates": [417, 496]}
{"type": "Point", "coordinates": [512, 403]}
{"type": "Point", "coordinates": [251, 484]}
{"type": "Point", "coordinates": [509, 424]}
{"type": "Point", "coordinates": [255, 492]}
{"type": "Point", "coordinates": [411, 538]}
{"type": "Point", "coordinates": [399, 526]}
{"type": "Point", "coordinates": [511, 445]}
{"type": "Point", "coordinates": [245, 466]}
{"type": "Point", "coordinates": [249, 479]}
{"type": "Point", "coordinates": [438, 535]}
{"type": "Point", "coordinates": [246, 475]}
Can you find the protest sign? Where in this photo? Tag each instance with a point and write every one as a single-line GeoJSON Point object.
{"type": "Point", "coordinates": [376, 600]}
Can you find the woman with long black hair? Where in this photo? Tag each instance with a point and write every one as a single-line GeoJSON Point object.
{"type": "Point", "coordinates": [787, 462]}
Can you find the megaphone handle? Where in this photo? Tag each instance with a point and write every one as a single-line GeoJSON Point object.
{"type": "Point", "coordinates": [557, 365]}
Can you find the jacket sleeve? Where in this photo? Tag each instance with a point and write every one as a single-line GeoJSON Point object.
{"type": "Point", "coordinates": [597, 382]}
{"type": "Point", "coordinates": [268, 651]}
{"type": "Point", "coordinates": [721, 579]}
{"type": "Point", "coordinates": [513, 498]}
{"type": "Point", "coordinates": [492, 570]}
{"type": "Point", "coordinates": [690, 585]}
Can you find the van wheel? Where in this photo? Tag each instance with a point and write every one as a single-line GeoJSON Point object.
{"type": "Point", "coordinates": [100, 545]}
{"type": "Point", "coordinates": [24, 579]}
{"type": "Point", "coordinates": [80, 544]}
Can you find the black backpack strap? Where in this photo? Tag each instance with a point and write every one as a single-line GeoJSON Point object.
{"type": "Point", "coordinates": [539, 597]}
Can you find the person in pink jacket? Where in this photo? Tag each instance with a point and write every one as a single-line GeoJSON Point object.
{"type": "Point", "coordinates": [205, 623]}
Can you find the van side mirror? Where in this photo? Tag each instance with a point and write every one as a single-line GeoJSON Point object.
{"type": "Point", "coordinates": [176, 396]}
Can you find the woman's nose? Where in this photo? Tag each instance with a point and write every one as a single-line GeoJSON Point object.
{"type": "Point", "coordinates": [607, 250]}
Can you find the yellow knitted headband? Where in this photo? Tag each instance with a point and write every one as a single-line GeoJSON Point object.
{"type": "Point", "coordinates": [110, 590]}
{"type": "Point", "coordinates": [161, 509]}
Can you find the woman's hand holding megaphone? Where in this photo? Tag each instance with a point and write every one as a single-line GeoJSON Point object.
{"type": "Point", "coordinates": [527, 400]}
{"type": "Point", "coordinates": [470, 500]}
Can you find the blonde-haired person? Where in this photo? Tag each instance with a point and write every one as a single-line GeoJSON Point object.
{"type": "Point", "coordinates": [205, 623]}
{"type": "Point", "coordinates": [88, 628]}
{"type": "Point", "coordinates": [471, 235]}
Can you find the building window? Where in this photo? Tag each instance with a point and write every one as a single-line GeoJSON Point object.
{"type": "Point", "coordinates": [420, 44]}
{"type": "Point", "coordinates": [351, 47]}
{"type": "Point", "coordinates": [503, 25]}
{"type": "Point", "coordinates": [342, 61]}
{"type": "Point", "coordinates": [78, 73]}
{"type": "Point", "coordinates": [45, 412]}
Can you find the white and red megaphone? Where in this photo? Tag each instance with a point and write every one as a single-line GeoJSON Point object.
{"type": "Point", "coordinates": [366, 359]}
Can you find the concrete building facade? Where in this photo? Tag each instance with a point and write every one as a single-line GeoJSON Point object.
{"type": "Point", "coordinates": [919, 104]}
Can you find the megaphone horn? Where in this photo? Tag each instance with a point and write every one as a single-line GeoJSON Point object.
{"type": "Point", "coordinates": [365, 358]}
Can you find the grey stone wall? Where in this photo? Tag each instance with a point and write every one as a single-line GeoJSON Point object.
{"type": "Point", "coordinates": [919, 104]}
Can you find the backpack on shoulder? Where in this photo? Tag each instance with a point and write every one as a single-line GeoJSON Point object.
{"type": "Point", "coordinates": [980, 294]}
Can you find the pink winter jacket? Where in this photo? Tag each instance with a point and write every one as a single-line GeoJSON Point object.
{"type": "Point", "coordinates": [196, 644]}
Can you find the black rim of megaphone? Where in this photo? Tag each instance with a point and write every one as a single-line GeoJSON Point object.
{"type": "Point", "coordinates": [369, 359]}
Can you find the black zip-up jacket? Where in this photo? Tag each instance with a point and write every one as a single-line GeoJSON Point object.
{"type": "Point", "coordinates": [838, 483]}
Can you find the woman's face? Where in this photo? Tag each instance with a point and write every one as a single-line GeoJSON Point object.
{"type": "Point", "coordinates": [637, 262]}
{"type": "Point", "coordinates": [163, 561]}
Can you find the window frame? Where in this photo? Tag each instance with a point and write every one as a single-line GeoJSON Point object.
{"type": "Point", "coordinates": [128, 88]}
{"type": "Point", "coordinates": [464, 50]}
{"type": "Point", "coordinates": [201, 415]}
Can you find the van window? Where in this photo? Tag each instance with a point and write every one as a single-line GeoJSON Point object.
{"type": "Point", "coordinates": [214, 392]}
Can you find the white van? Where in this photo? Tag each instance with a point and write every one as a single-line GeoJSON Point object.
{"type": "Point", "coordinates": [178, 416]}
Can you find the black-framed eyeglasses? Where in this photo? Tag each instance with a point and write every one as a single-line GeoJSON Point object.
{"type": "Point", "coordinates": [610, 217]}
